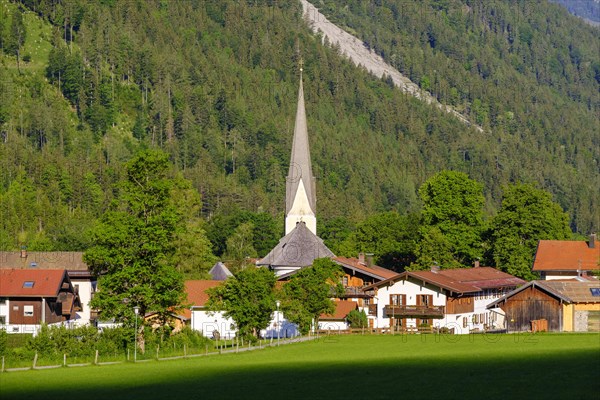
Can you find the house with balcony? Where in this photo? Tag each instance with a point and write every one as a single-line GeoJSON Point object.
{"type": "Point", "coordinates": [359, 273]}
{"type": "Point", "coordinates": [452, 300]}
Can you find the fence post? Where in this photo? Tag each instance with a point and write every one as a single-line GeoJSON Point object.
{"type": "Point", "coordinates": [96, 358]}
{"type": "Point", "coordinates": [184, 351]}
{"type": "Point", "coordinates": [157, 350]}
{"type": "Point", "coordinates": [64, 360]}
{"type": "Point", "coordinates": [127, 354]}
{"type": "Point", "coordinates": [35, 359]}
{"type": "Point", "coordinates": [2, 364]}
{"type": "Point", "coordinates": [206, 350]}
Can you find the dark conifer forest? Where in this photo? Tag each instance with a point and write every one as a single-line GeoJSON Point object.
{"type": "Point", "coordinates": [86, 85]}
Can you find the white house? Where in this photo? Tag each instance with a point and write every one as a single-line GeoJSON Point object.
{"type": "Point", "coordinates": [337, 321]}
{"type": "Point", "coordinates": [215, 324]}
{"type": "Point", "coordinates": [452, 300]}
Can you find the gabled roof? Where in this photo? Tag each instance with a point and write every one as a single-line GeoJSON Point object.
{"type": "Point", "coordinates": [374, 271]}
{"type": "Point", "coordinates": [299, 248]}
{"type": "Point", "coordinates": [45, 283]}
{"type": "Point", "coordinates": [568, 291]}
{"type": "Point", "coordinates": [459, 280]}
{"type": "Point", "coordinates": [219, 272]}
{"type": "Point", "coordinates": [566, 255]}
{"type": "Point", "coordinates": [342, 308]}
{"type": "Point", "coordinates": [69, 260]}
{"type": "Point", "coordinates": [196, 293]}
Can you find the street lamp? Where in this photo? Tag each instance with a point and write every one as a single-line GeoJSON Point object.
{"type": "Point", "coordinates": [136, 310]}
{"type": "Point", "coordinates": [278, 328]}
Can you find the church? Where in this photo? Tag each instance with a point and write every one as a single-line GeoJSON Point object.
{"type": "Point", "coordinates": [300, 246]}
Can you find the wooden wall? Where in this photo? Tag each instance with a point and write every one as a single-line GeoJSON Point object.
{"type": "Point", "coordinates": [17, 310]}
{"type": "Point", "coordinates": [531, 304]}
{"type": "Point", "coordinates": [458, 305]}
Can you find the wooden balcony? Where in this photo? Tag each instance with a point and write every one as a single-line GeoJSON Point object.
{"type": "Point", "coordinates": [414, 311]}
{"type": "Point", "coordinates": [350, 292]}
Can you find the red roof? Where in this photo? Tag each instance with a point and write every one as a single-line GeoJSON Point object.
{"type": "Point", "coordinates": [196, 293]}
{"type": "Point", "coordinates": [342, 308]}
{"type": "Point", "coordinates": [566, 255]}
{"type": "Point", "coordinates": [354, 263]}
{"type": "Point", "coordinates": [461, 280]}
{"type": "Point", "coordinates": [45, 283]}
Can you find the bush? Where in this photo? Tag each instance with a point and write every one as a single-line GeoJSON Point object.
{"type": "Point", "coordinates": [3, 342]}
{"type": "Point", "coordinates": [357, 319]}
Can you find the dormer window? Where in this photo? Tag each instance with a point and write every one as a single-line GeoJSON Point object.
{"type": "Point", "coordinates": [28, 284]}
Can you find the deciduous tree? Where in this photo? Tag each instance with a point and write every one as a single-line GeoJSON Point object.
{"type": "Point", "coordinates": [134, 245]}
{"type": "Point", "coordinates": [248, 299]}
{"type": "Point", "coordinates": [308, 293]}
{"type": "Point", "coordinates": [453, 213]}
{"type": "Point", "coordinates": [527, 215]}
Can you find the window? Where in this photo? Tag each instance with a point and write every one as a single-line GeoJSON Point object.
{"type": "Point", "coordinates": [2, 320]}
{"type": "Point", "coordinates": [367, 301]}
{"type": "Point", "coordinates": [397, 299]}
{"type": "Point", "coordinates": [345, 280]}
{"type": "Point", "coordinates": [595, 291]}
{"type": "Point", "coordinates": [2, 300]}
{"type": "Point", "coordinates": [28, 284]}
{"type": "Point", "coordinates": [28, 311]}
{"type": "Point", "coordinates": [464, 322]}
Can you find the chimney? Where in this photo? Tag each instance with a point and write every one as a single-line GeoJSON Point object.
{"type": "Point", "coordinates": [592, 243]}
{"type": "Point", "coordinates": [369, 259]}
{"type": "Point", "coordinates": [24, 252]}
{"type": "Point", "coordinates": [361, 258]}
{"type": "Point", "coordinates": [476, 264]}
{"type": "Point", "coordinates": [435, 268]}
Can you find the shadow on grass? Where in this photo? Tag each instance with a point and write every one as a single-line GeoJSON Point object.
{"type": "Point", "coordinates": [574, 375]}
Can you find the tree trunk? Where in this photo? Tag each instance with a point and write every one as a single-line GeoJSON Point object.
{"type": "Point", "coordinates": [141, 339]}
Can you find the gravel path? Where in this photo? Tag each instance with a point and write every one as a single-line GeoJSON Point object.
{"type": "Point", "coordinates": [354, 49]}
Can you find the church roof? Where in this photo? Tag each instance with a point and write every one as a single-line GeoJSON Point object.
{"type": "Point", "coordinates": [219, 272]}
{"type": "Point", "coordinates": [299, 248]}
{"type": "Point", "coordinates": [300, 165]}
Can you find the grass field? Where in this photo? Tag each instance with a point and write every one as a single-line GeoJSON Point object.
{"type": "Point", "coordinates": [543, 366]}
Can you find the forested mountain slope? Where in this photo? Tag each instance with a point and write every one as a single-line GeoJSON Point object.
{"type": "Point", "coordinates": [527, 71]}
{"type": "Point", "coordinates": [85, 85]}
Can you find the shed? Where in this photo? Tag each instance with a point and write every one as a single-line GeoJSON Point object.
{"type": "Point", "coordinates": [566, 305]}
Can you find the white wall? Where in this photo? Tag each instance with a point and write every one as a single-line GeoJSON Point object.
{"type": "Point", "coordinates": [479, 320]}
{"type": "Point", "coordinates": [207, 324]}
{"type": "Point", "coordinates": [333, 325]}
{"type": "Point", "coordinates": [4, 307]}
{"type": "Point", "coordinates": [86, 289]}
{"type": "Point", "coordinates": [411, 290]}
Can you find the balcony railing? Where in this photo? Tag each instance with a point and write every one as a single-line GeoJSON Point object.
{"type": "Point", "coordinates": [351, 291]}
{"type": "Point", "coordinates": [414, 311]}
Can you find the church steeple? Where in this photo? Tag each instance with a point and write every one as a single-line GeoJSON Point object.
{"type": "Point", "coordinates": [301, 197]}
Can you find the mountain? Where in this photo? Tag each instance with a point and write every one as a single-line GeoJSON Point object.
{"type": "Point", "coordinates": [214, 83]}
{"type": "Point", "coordinates": [588, 10]}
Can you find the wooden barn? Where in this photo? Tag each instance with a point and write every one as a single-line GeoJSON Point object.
{"type": "Point", "coordinates": [556, 306]}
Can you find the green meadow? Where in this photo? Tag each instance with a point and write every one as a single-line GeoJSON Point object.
{"type": "Point", "coordinates": [565, 366]}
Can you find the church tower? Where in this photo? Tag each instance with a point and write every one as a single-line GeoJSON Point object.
{"type": "Point", "coordinates": [300, 246]}
{"type": "Point", "coordinates": [300, 197]}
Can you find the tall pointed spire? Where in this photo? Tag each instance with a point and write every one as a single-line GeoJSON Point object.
{"type": "Point", "coordinates": [301, 199]}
